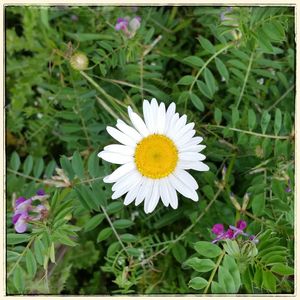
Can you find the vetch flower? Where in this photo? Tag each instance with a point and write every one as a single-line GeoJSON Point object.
{"type": "Point", "coordinates": [122, 24]}
{"type": "Point", "coordinates": [154, 155]}
{"type": "Point", "coordinates": [128, 26]}
{"type": "Point", "coordinates": [25, 210]}
{"type": "Point", "coordinates": [232, 233]}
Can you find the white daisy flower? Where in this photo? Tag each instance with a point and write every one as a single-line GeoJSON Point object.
{"type": "Point", "coordinates": [154, 155]}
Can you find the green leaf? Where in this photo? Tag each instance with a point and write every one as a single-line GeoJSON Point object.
{"type": "Point", "coordinates": [278, 121]}
{"type": "Point", "coordinates": [218, 115]}
{"type": "Point", "coordinates": [179, 252]}
{"type": "Point", "coordinates": [197, 101]}
{"type": "Point", "coordinates": [200, 265]}
{"type": "Point", "coordinates": [235, 115]}
{"type": "Point", "coordinates": [38, 167]}
{"type": "Point", "coordinates": [274, 31]}
{"type": "Point", "coordinates": [258, 204]}
{"type": "Point", "coordinates": [282, 269]}
{"type": "Point", "coordinates": [93, 165]}
{"type": "Point", "coordinates": [207, 45]}
{"type": "Point", "coordinates": [210, 81]}
{"type": "Point", "coordinates": [77, 165]}
{"type": "Point", "coordinates": [30, 263]}
{"type": "Point", "coordinates": [231, 247]}
{"type": "Point", "coordinates": [28, 164]}
{"type": "Point", "coordinates": [207, 249]}
{"type": "Point", "coordinates": [18, 279]}
{"type": "Point", "coordinates": [134, 252]}
{"type": "Point", "coordinates": [15, 161]}
{"type": "Point", "coordinates": [226, 280]}
{"type": "Point", "coordinates": [265, 119]}
{"type": "Point", "coordinates": [269, 281]}
{"type": "Point", "coordinates": [230, 264]}
{"type": "Point", "coordinates": [198, 283]}
{"type": "Point", "coordinates": [203, 88]}
{"type": "Point", "coordinates": [17, 238]}
{"type": "Point", "coordinates": [186, 80]}
{"type": "Point", "coordinates": [123, 223]}
{"type": "Point", "coordinates": [39, 251]}
{"type": "Point", "coordinates": [114, 207]}
{"type": "Point", "coordinates": [216, 288]}
{"type": "Point", "coordinates": [251, 119]}
{"type": "Point", "coordinates": [128, 238]}
{"type": "Point", "coordinates": [194, 61]}
{"type": "Point", "coordinates": [104, 234]}
{"type": "Point", "coordinates": [222, 69]}
{"type": "Point", "coordinates": [93, 222]}
{"type": "Point", "coordinates": [66, 166]}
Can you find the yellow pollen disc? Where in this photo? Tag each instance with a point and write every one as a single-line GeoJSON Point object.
{"type": "Point", "coordinates": [156, 156]}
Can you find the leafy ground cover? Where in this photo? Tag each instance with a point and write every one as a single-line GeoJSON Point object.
{"type": "Point", "coordinates": [72, 71]}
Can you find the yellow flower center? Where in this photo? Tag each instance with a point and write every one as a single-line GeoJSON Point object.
{"type": "Point", "coordinates": [156, 156]}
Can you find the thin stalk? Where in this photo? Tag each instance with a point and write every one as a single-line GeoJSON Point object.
{"type": "Point", "coordinates": [211, 277]}
{"type": "Point", "coordinates": [281, 98]}
{"type": "Point", "coordinates": [207, 63]}
{"type": "Point", "coordinates": [114, 229]}
{"type": "Point", "coordinates": [246, 78]}
{"type": "Point", "coordinates": [283, 137]}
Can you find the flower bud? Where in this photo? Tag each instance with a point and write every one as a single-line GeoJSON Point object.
{"type": "Point", "coordinates": [79, 61]}
{"type": "Point", "coordinates": [135, 24]}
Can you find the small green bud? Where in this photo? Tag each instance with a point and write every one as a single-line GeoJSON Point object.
{"type": "Point", "coordinates": [79, 61]}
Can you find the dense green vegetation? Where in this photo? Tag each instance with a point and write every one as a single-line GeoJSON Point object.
{"type": "Point", "coordinates": [231, 70]}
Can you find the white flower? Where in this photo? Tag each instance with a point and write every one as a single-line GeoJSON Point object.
{"type": "Point", "coordinates": [154, 155]}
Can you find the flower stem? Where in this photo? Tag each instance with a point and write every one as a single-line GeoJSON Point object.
{"type": "Point", "coordinates": [286, 137]}
{"type": "Point", "coordinates": [212, 275]}
{"type": "Point", "coordinates": [246, 78]}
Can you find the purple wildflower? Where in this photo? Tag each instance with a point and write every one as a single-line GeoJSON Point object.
{"type": "Point", "coordinates": [25, 211]}
{"type": "Point", "coordinates": [218, 229]}
{"type": "Point", "coordinates": [20, 222]}
{"type": "Point", "coordinates": [122, 24]}
{"type": "Point", "coordinates": [74, 18]}
{"type": "Point", "coordinates": [20, 200]}
{"type": "Point", "coordinates": [241, 224]}
{"type": "Point", "coordinates": [253, 239]}
{"type": "Point", "coordinates": [40, 192]}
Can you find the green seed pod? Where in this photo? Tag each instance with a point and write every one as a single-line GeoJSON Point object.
{"type": "Point", "coordinates": [79, 61]}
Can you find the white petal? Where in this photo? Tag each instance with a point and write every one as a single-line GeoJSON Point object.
{"type": "Point", "coordinates": [115, 158]}
{"type": "Point", "coordinates": [185, 139]}
{"type": "Point", "coordinates": [191, 156]}
{"type": "Point", "coordinates": [193, 165]}
{"type": "Point", "coordinates": [194, 141]}
{"type": "Point", "coordinates": [137, 122]}
{"type": "Point", "coordinates": [187, 178]}
{"type": "Point", "coordinates": [120, 136]}
{"type": "Point", "coordinates": [195, 148]}
{"type": "Point", "coordinates": [147, 115]}
{"type": "Point", "coordinates": [131, 195]}
{"type": "Point", "coordinates": [161, 118]}
{"type": "Point", "coordinates": [163, 191]}
{"type": "Point", "coordinates": [169, 131]}
{"type": "Point", "coordinates": [151, 203]}
{"type": "Point", "coordinates": [145, 191]}
{"type": "Point", "coordinates": [124, 187]}
{"type": "Point", "coordinates": [121, 149]}
{"type": "Point", "coordinates": [154, 113]}
{"type": "Point", "coordinates": [169, 115]}
{"type": "Point", "coordinates": [142, 191]}
{"type": "Point", "coordinates": [128, 130]}
{"type": "Point", "coordinates": [180, 123]}
{"type": "Point", "coordinates": [120, 172]}
{"type": "Point", "coordinates": [183, 130]}
{"type": "Point", "coordinates": [127, 181]}
{"type": "Point", "coordinates": [183, 188]}
{"type": "Point", "coordinates": [172, 194]}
